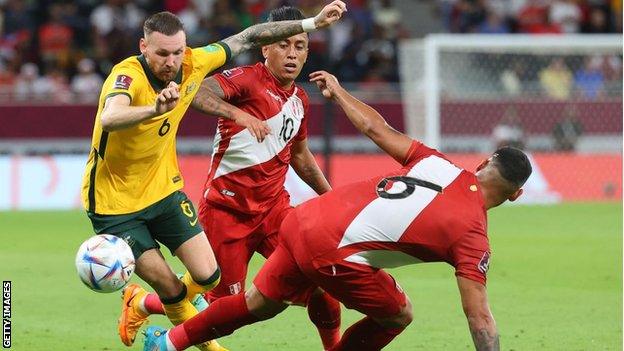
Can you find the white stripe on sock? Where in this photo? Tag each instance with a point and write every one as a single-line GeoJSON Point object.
{"type": "Point", "coordinates": [170, 346]}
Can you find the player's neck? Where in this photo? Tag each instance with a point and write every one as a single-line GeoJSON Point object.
{"type": "Point", "coordinates": [284, 84]}
{"type": "Point", "coordinates": [489, 191]}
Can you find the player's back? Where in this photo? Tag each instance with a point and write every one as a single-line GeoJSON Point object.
{"type": "Point", "coordinates": [429, 210]}
{"type": "Point", "coordinates": [246, 175]}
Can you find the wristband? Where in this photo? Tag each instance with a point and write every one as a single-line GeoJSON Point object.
{"type": "Point", "coordinates": [308, 25]}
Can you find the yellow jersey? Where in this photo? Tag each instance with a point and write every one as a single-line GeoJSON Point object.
{"type": "Point", "coordinates": [131, 169]}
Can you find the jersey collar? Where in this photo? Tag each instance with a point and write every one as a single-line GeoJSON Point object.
{"type": "Point", "coordinates": [156, 83]}
{"type": "Point", "coordinates": [276, 83]}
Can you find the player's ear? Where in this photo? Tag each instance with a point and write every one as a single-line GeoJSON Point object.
{"type": "Point", "coordinates": [516, 195]}
{"type": "Point", "coordinates": [142, 45]}
{"type": "Point", "coordinates": [265, 51]}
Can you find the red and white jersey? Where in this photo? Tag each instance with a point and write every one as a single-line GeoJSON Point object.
{"type": "Point", "coordinates": [245, 175]}
{"type": "Point", "coordinates": [428, 211]}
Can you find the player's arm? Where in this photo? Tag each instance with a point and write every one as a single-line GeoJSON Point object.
{"type": "Point", "coordinates": [210, 100]}
{"type": "Point", "coordinates": [477, 310]}
{"type": "Point", "coordinates": [364, 118]}
{"type": "Point", "coordinates": [304, 164]}
{"type": "Point", "coordinates": [118, 114]}
{"type": "Point", "coordinates": [267, 33]}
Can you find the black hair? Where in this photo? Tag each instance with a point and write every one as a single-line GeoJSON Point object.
{"type": "Point", "coordinates": [512, 164]}
{"type": "Point", "coordinates": [285, 13]}
{"type": "Point", "coordinates": [163, 22]}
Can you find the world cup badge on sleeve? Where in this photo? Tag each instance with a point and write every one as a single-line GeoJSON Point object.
{"type": "Point", "coordinates": [484, 264]}
{"type": "Point", "coordinates": [122, 82]}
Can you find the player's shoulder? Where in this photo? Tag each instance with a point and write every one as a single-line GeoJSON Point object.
{"type": "Point", "coordinates": [131, 62]}
{"type": "Point", "coordinates": [419, 152]}
{"type": "Point", "coordinates": [130, 65]}
{"type": "Point", "coordinates": [210, 49]}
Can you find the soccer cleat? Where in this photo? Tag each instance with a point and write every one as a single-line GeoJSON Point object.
{"type": "Point", "coordinates": [155, 339]}
{"type": "Point", "coordinates": [131, 320]}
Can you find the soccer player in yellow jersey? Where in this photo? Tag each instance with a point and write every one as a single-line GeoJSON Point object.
{"type": "Point", "coordinates": [131, 187]}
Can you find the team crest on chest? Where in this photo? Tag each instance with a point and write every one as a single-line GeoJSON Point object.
{"type": "Point", "coordinates": [190, 88]}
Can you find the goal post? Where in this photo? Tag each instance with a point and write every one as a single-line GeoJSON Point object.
{"type": "Point", "coordinates": [457, 88]}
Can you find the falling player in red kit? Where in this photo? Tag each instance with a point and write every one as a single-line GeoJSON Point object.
{"type": "Point", "coordinates": [429, 210]}
{"type": "Point", "coordinates": [244, 198]}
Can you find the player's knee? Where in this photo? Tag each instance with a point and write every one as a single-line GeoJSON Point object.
{"type": "Point", "coordinates": [405, 317]}
{"type": "Point", "coordinates": [261, 306]}
{"type": "Point", "coordinates": [399, 320]}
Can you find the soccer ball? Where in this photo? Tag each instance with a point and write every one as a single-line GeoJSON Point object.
{"type": "Point", "coordinates": [105, 263]}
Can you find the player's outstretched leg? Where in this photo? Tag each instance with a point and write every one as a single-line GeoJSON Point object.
{"type": "Point", "coordinates": [324, 312]}
{"type": "Point", "coordinates": [366, 335]}
{"type": "Point", "coordinates": [221, 318]}
{"type": "Point", "coordinates": [132, 315]}
{"type": "Point", "coordinates": [151, 304]}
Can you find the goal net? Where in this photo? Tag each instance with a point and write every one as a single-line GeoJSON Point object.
{"type": "Point", "coordinates": [550, 95]}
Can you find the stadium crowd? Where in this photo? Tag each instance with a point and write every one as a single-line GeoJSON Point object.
{"type": "Point", "coordinates": [53, 48]}
{"type": "Point", "coordinates": [59, 50]}
{"type": "Point", "coordinates": [532, 16]}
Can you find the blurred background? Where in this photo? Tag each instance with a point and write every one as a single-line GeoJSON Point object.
{"type": "Point", "coordinates": [465, 76]}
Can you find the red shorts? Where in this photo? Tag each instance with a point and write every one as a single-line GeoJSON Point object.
{"type": "Point", "coordinates": [290, 276]}
{"type": "Point", "coordinates": [235, 237]}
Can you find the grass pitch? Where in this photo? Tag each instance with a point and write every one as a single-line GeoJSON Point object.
{"type": "Point", "coordinates": [555, 283]}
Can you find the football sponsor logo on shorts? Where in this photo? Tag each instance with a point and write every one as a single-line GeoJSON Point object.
{"type": "Point", "coordinates": [128, 239]}
{"type": "Point", "coordinates": [228, 193]}
{"type": "Point", "coordinates": [122, 82]}
{"type": "Point", "coordinates": [235, 288]}
{"type": "Point", "coordinates": [484, 264]}
{"type": "Point", "coordinates": [187, 209]}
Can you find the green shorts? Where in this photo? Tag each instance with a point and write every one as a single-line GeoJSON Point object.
{"type": "Point", "coordinates": [170, 221]}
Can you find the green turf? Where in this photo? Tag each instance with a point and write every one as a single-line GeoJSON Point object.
{"type": "Point", "coordinates": [555, 283]}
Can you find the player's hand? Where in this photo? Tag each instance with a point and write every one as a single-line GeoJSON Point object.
{"type": "Point", "coordinates": [168, 98]}
{"type": "Point", "coordinates": [330, 14]}
{"type": "Point", "coordinates": [258, 129]}
{"type": "Point", "coordinates": [327, 83]}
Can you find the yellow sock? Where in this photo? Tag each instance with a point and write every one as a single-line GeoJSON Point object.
{"type": "Point", "coordinates": [180, 311]}
{"type": "Point", "coordinates": [193, 288]}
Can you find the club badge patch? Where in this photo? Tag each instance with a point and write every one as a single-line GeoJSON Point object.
{"type": "Point", "coordinates": [484, 264]}
{"type": "Point", "coordinates": [122, 82]}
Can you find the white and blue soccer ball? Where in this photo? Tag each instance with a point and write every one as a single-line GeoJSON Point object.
{"type": "Point", "coordinates": [105, 263]}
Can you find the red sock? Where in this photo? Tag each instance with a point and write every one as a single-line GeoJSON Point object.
{"type": "Point", "coordinates": [153, 305]}
{"type": "Point", "coordinates": [324, 312]}
{"type": "Point", "coordinates": [221, 318]}
{"type": "Point", "coordinates": [366, 335]}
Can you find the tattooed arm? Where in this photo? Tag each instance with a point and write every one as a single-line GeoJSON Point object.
{"type": "Point", "coordinates": [210, 100]}
{"type": "Point", "coordinates": [480, 319]}
{"type": "Point", "coordinates": [271, 32]}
